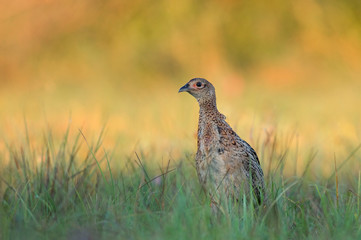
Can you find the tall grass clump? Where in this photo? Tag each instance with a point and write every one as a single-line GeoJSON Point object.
{"type": "Point", "coordinates": [71, 189]}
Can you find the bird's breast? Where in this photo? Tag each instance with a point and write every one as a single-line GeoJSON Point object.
{"type": "Point", "coordinates": [211, 165]}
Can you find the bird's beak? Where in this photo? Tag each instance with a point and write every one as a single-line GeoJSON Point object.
{"type": "Point", "coordinates": [185, 88]}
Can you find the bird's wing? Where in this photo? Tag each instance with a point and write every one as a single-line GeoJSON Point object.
{"type": "Point", "coordinates": [240, 156]}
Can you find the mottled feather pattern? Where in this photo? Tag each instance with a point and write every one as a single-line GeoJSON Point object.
{"type": "Point", "coordinates": [226, 164]}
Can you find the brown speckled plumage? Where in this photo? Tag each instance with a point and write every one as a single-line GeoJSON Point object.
{"type": "Point", "coordinates": [226, 164]}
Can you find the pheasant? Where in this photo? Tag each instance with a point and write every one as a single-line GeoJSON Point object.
{"type": "Point", "coordinates": [226, 165]}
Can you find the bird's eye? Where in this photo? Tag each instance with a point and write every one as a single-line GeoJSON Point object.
{"type": "Point", "coordinates": [199, 84]}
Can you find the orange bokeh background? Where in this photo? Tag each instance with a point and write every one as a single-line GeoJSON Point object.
{"type": "Point", "coordinates": [277, 66]}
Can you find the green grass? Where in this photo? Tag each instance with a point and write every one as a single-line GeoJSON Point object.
{"type": "Point", "coordinates": [73, 189]}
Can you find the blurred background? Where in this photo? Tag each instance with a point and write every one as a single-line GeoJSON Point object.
{"type": "Point", "coordinates": [282, 68]}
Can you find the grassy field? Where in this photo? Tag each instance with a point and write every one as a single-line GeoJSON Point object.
{"type": "Point", "coordinates": [71, 188]}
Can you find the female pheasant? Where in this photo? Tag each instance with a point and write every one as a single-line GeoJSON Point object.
{"type": "Point", "coordinates": [226, 165]}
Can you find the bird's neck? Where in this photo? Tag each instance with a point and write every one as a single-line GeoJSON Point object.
{"type": "Point", "coordinates": [208, 107]}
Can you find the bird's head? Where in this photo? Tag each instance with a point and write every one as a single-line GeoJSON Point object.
{"type": "Point", "coordinates": [199, 88]}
